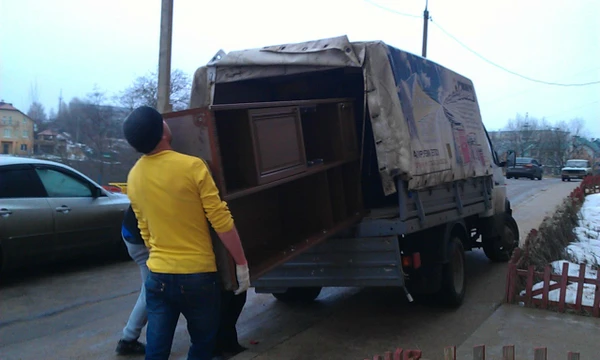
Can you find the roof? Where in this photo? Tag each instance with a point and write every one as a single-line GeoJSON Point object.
{"type": "Point", "coordinates": [10, 107]}
{"type": "Point", "coordinates": [48, 132]}
{"type": "Point", "coordinates": [578, 140]}
{"type": "Point", "coordinates": [7, 106]}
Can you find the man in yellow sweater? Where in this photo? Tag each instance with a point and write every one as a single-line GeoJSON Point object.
{"type": "Point", "coordinates": [174, 196]}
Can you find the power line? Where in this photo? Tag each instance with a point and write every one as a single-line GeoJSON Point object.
{"type": "Point", "coordinates": [392, 10]}
{"type": "Point", "coordinates": [479, 55]}
{"type": "Point", "coordinates": [505, 69]}
{"type": "Point", "coordinates": [513, 94]}
{"type": "Point", "coordinates": [575, 108]}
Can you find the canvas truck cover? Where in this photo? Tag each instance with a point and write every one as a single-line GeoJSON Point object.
{"type": "Point", "coordinates": [425, 118]}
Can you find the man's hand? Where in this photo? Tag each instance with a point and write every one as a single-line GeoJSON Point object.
{"type": "Point", "coordinates": [243, 278]}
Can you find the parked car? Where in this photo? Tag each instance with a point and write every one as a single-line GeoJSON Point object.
{"type": "Point", "coordinates": [576, 169]}
{"type": "Point", "coordinates": [50, 212]}
{"type": "Point", "coordinates": [525, 167]}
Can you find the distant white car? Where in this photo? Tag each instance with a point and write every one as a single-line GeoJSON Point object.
{"type": "Point", "coordinates": [576, 169]}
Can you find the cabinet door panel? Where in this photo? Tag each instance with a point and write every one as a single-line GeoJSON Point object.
{"type": "Point", "coordinates": [278, 143]}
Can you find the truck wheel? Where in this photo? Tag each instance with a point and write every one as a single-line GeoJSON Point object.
{"type": "Point", "coordinates": [454, 282]}
{"type": "Point", "coordinates": [298, 294]}
{"type": "Point", "coordinates": [1, 263]}
{"type": "Point", "coordinates": [500, 248]}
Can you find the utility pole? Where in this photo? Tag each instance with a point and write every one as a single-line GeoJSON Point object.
{"type": "Point", "coordinates": [425, 21]}
{"type": "Point", "coordinates": [164, 57]}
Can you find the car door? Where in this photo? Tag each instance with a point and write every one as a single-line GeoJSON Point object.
{"type": "Point", "coordinates": [26, 219]}
{"type": "Point", "coordinates": [81, 219]}
{"type": "Point", "coordinates": [538, 167]}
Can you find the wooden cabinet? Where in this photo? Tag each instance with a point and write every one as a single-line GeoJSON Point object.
{"type": "Point", "coordinates": [289, 170]}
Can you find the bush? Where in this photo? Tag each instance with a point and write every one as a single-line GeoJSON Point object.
{"type": "Point", "coordinates": [549, 242]}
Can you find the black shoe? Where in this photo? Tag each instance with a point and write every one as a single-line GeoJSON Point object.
{"type": "Point", "coordinates": [133, 347]}
{"type": "Point", "coordinates": [234, 350]}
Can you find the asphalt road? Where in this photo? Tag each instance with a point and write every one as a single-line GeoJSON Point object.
{"type": "Point", "coordinates": [78, 311]}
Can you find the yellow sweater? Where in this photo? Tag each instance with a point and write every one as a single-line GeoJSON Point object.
{"type": "Point", "coordinates": [172, 195]}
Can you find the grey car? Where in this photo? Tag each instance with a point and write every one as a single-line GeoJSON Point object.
{"type": "Point", "coordinates": [525, 167]}
{"type": "Point", "coordinates": [50, 212]}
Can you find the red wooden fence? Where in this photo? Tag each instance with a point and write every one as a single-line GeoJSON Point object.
{"type": "Point", "coordinates": [516, 278]}
{"type": "Point", "coordinates": [508, 353]}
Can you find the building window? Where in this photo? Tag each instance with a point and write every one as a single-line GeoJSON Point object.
{"type": "Point", "coordinates": [23, 147]}
{"type": "Point", "coordinates": [25, 134]}
{"type": "Point", "coordinates": [7, 133]}
{"type": "Point", "coordinates": [24, 121]}
{"type": "Point", "coordinates": [10, 120]}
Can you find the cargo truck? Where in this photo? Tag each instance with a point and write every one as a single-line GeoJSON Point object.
{"type": "Point", "coordinates": [348, 164]}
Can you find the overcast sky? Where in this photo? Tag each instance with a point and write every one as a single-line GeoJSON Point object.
{"type": "Point", "coordinates": [75, 44]}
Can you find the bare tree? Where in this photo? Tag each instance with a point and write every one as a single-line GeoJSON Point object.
{"type": "Point", "coordinates": [522, 134]}
{"type": "Point", "coordinates": [144, 91]}
{"type": "Point", "coordinates": [555, 141]}
{"type": "Point", "coordinates": [551, 143]}
{"type": "Point", "coordinates": [52, 115]}
{"type": "Point", "coordinates": [37, 113]}
{"type": "Point", "coordinates": [577, 127]}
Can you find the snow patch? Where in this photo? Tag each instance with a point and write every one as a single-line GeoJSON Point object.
{"type": "Point", "coordinates": [586, 250]}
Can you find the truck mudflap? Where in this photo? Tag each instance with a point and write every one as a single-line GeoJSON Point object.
{"type": "Point", "coordinates": [339, 262]}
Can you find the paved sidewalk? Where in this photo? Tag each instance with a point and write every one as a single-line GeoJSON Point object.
{"type": "Point", "coordinates": [528, 214]}
{"type": "Point", "coordinates": [527, 329]}
{"type": "Point", "coordinates": [530, 328]}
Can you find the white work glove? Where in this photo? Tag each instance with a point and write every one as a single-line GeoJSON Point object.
{"type": "Point", "coordinates": [243, 278]}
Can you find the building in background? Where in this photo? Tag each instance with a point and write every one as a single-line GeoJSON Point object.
{"type": "Point", "coordinates": [16, 131]}
{"type": "Point", "coordinates": [50, 142]}
{"type": "Point", "coordinates": [552, 147]}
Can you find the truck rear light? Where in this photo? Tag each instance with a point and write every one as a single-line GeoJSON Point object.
{"type": "Point", "coordinates": [416, 260]}
{"type": "Point", "coordinates": [406, 261]}
{"type": "Point", "coordinates": [413, 260]}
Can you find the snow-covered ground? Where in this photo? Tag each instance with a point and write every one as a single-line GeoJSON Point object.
{"type": "Point", "coordinates": [585, 250]}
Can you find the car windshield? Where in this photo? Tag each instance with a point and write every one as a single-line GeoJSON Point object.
{"type": "Point", "coordinates": [577, 163]}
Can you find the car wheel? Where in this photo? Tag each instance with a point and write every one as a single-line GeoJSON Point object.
{"type": "Point", "coordinates": [1, 262]}
{"type": "Point", "coordinates": [500, 248]}
{"type": "Point", "coordinates": [454, 281]}
{"type": "Point", "coordinates": [298, 294]}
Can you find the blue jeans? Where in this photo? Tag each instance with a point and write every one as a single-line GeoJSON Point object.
{"type": "Point", "coordinates": [197, 297]}
{"type": "Point", "coordinates": [138, 317]}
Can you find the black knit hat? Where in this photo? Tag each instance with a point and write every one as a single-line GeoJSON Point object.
{"type": "Point", "coordinates": [143, 129]}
